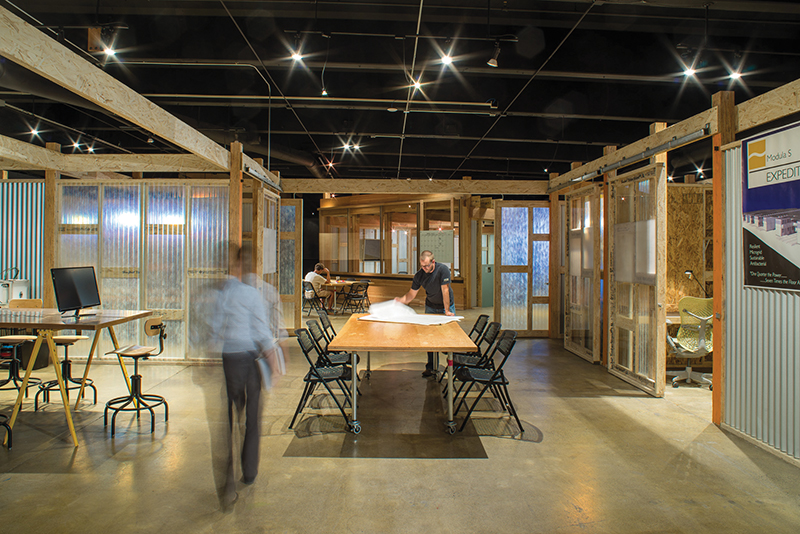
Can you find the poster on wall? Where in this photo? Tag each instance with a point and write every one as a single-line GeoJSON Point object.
{"type": "Point", "coordinates": [771, 209]}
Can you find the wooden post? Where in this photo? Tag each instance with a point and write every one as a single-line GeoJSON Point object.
{"type": "Point", "coordinates": [49, 235]}
{"type": "Point", "coordinates": [235, 201]}
{"type": "Point", "coordinates": [724, 101]}
{"type": "Point", "coordinates": [258, 228]}
{"type": "Point", "coordinates": [606, 193]}
{"type": "Point", "coordinates": [465, 249]}
{"type": "Point", "coordinates": [554, 292]}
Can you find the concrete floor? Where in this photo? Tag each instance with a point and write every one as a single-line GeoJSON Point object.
{"type": "Point", "coordinates": [596, 456]}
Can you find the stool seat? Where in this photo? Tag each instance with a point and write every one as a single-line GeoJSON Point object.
{"type": "Point", "coordinates": [133, 351]}
{"type": "Point", "coordinates": [16, 339]}
{"type": "Point", "coordinates": [68, 340]}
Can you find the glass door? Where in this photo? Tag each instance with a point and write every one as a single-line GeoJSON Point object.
{"type": "Point", "coordinates": [522, 267]}
{"type": "Point", "coordinates": [637, 278]}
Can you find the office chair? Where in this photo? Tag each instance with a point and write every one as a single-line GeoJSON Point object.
{"type": "Point", "coordinates": [694, 339]}
{"type": "Point", "coordinates": [137, 401]}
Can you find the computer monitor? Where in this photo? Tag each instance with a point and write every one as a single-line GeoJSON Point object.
{"type": "Point", "coordinates": [75, 288]}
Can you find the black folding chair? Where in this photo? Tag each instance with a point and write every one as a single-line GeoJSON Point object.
{"type": "Point", "coordinates": [355, 299]}
{"type": "Point", "coordinates": [484, 343]}
{"type": "Point", "coordinates": [324, 375]}
{"type": "Point", "coordinates": [491, 377]}
{"type": "Point", "coordinates": [327, 327]}
{"type": "Point", "coordinates": [366, 291]}
{"type": "Point", "coordinates": [315, 302]}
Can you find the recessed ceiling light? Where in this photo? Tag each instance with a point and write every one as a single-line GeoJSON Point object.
{"type": "Point", "coordinates": [689, 72]}
{"type": "Point", "coordinates": [296, 56]}
{"type": "Point", "coordinates": [417, 85]}
{"type": "Point", "coordinates": [447, 60]}
{"type": "Point", "coordinates": [34, 131]}
{"type": "Point", "coordinates": [735, 75]}
{"type": "Point", "coordinates": [90, 149]}
{"type": "Point", "coordinates": [391, 109]}
{"type": "Point", "coordinates": [324, 92]}
{"type": "Point", "coordinates": [109, 51]}
{"type": "Point", "coordinates": [356, 147]}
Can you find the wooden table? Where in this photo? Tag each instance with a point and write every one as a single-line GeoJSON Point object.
{"type": "Point", "coordinates": [336, 286]}
{"type": "Point", "coordinates": [368, 336]}
{"type": "Point", "coordinates": [48, 320]}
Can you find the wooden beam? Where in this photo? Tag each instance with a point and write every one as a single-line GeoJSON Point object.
{"type": "Point", "coordinates": [778, 103]}
{"type": "Point", "coordinates": [725, 104]}
{"type": "Point", "coordinates": [31, 48]}
{"type": "Point", "coordinates": [18, 155]}
{"type": "Point", "coordinates": [690, 125]}
{"type": "Point", "coordinates": [251, 163]}
{"type": "Point", "coordinates": [453, 187]}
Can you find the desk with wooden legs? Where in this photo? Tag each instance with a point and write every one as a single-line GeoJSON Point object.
{"type": "Point", "coordinates": [45, 322]}
{"type": "Point", "coordinates": [366, 336]}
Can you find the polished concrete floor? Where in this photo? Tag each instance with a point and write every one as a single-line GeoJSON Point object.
{"type": "Point", "coordinates": [596, 456]}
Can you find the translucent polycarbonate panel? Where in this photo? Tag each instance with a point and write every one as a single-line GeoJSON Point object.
{"type": "Point", "coordinates": [77, 250]}
{"type": "Point", "coordinates": [287, 219]}
{"type": "Point", "coordinates": [602, 232]}
{"type": "Point", "coordinates": [286, 285]}
{"type": "Point", "coordinates": [540, 314]}
{"type": "Point", "coordinates": [575, 252]}
{"type": "Point", "coordinates": [515, 236]}
{"type": "Point", "coordinates": [625, 300]}
{"type": "Point", "coordinates": [288, 314]}
{"type": "Point", "coordinates": [165, 247]}
{"type": "Point", "coordinates": [588, 304]}
{"type": "Point", "coordinates": [175, 344]}
{"type": "Point", "coordinates": [203, 294]}
{"type": "Point", "coordinates": [645, 349]}
{"type": "Point", "coordinates": [540, 267]}
{"type": "Point", "coordinates": [624, 347]}
{"type": "Point", "coordinates": [514, 301]}
{"type": "Point", "coordinates": [575, 215]}
{"type": "Point", "coordinates": [624, 204]}
{"type": "Point", "coordinates": [121, 269]}
{"type": "Point", "coordinates": [79, 204]}
{"type": "Point", "coordinates": [208, 229]}
{"type": "Point", "coordinates": [21, 232]}
{"type": "Point", "coordinates": [645, 234]}
{"type": "Point", "coordinates": [587, 244]}
{"type": "Point", "coordinates": [541, 220]}
{"type": "Point", "coordinates": [247, 216]}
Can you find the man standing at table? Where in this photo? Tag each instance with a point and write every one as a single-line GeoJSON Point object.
{"type": "Point", "coordinates": [435, 278]}
{"type": "Point", "coordinates": [320, 275]}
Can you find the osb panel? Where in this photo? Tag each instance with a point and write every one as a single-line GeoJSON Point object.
{"type": "Point", "coordinates": [686, 229]}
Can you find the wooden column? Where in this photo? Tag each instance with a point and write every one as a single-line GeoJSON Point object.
{"type": "Point", "coordinates": [49, 234]}
{"type": "Point", "coordinates": [724, 101]}
{"type": "Point", "coordinates": [606, 193]}
{"type": "Point", "coordinates": [465, 250]}
{"type": "Point", "coordinates": [258, 227]}
{"type": "Point", "coordinates": [235, 201]}
{"type": "Point", "coordinates": [556, 229]}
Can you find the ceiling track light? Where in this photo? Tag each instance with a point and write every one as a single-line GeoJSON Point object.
{"type": "Point", "coordinates": [493, 62]}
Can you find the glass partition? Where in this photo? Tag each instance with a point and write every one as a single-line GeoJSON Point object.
{"type": "Point", "coordinates": [333, 240]}
{"type": "Point", "coordinates": [445, 216]}
{"type": "Point", "coordinates": [401, 222]}
{"type": "Point", "coordinates": [367, 226]}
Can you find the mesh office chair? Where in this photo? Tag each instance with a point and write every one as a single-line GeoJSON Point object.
{"type": "Point", "coordinates": [137, 401]}
{"type": "Point", "coordinates": [694, 339]}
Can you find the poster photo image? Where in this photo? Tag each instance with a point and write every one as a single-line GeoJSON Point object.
{"type": "Point", "coordinates": [771, 209]}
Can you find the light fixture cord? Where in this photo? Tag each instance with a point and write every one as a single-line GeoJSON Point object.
{"type": "Point", "coordinates": [524, 87]}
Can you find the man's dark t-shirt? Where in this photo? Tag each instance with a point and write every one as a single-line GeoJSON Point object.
{"type": "Point", "coordinates": [432, 283]}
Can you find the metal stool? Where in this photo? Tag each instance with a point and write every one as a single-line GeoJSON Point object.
{"type": "Point", "coordinates": [10, 345]}
{"type": "Point", "coordinates": [4, 423]}
{"type": "Point", "coordinates": [66, 373]}
{"type": "Point", "coordinates": [138, 401]}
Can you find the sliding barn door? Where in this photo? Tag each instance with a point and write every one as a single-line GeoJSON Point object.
{"type": "Point", "coordinates": [583, 311]}
{"type": "Point", "coordinates": [637, 278]}
{"type": "Point", "coordinates": [522, 259]}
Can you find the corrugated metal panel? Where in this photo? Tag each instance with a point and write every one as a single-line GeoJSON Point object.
{"type": "Point", "coordinates": [21, 222]}
{"type": "Point", "coordinates": [762, 363]}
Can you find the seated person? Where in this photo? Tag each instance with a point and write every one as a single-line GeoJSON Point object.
{"type": "Point", "coordinates": [320, 275]}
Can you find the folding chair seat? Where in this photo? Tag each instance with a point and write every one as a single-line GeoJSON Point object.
{"type": "Point", "coordinates": [324, 375]}
{"type": "Point", "coordinates": [314, 302]}
{"type": "Point", "coordinates": [484, 344]}
{"type": "Point", "coordinates": [321, 342]}
{"type": "Point", "coordinates": [490, 377]}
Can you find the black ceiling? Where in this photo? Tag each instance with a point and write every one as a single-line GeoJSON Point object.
{"type": "Point", "coordinates": [572, 77]}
